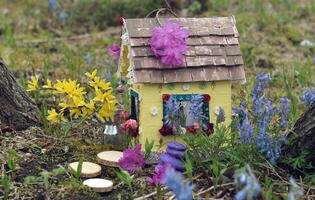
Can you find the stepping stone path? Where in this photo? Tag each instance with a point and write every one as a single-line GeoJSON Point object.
{"type": "Point", "coordinates": [109, 158]}
{"type": "Point", "coordinates": [174, 156]}
{"type": "Point", "coordinates": [89, 169]}
{"type": "Point", "coordinates": [99, 185]}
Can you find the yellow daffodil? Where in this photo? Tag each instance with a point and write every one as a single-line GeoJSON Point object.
{"type": "Point", "coordinates": [48, 84]}
{"type": "Point", "coordinates": [75, 112]}
{"type": "Point", "coordinates": [32, 84]}
{"type": "Point", "coordinates": [95, 82]}
{"type": "Point", "coordinates": [70, 88]}
{"type": "Point", "coordinates": [52, 116]}
{"type": "Point", "coordinates": [91, 75]}
{"type": "Point", "coordinates": [78, 101]}
{"type": "Point", "coordinates": [88, 108]}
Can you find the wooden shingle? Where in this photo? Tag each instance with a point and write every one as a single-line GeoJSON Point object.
{"type": "Point", "coordinates": [213, 51]}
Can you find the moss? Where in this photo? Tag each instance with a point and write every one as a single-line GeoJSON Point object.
{"type": "Point", "coordinates": [292, 33]}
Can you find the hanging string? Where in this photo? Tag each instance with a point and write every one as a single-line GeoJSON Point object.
{"type": "Point", "coordinates": [158, 11]}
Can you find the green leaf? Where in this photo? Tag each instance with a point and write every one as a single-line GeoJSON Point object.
{"type": "Point", "coordinates": [79, 169]}
{"type": "Point", "coordinates": [148, 146]}
{"type": "Point", "coordinates": [215, 168]}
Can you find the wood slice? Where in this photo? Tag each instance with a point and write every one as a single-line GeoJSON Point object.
{"type": "Point", "coordinates": [109, 158]}
{"type": "Point", "coordinates": [89, 169]}
{"type": "Point", "coordinates": [99, 184]}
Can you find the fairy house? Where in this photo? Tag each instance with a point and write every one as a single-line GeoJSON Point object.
{"type": "Point", "coordinates": [202, 82]}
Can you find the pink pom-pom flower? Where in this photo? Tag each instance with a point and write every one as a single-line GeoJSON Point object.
{"type": "Point", "coordinates": [168, 43]}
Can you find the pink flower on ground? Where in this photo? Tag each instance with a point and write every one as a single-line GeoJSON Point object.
{"type": "Point", "coordinates": [132, 159]}
{"type": "Point", "coordinates": [130, 124]}
{"type": "Point", "coordinates": [169, 43]}
{"type": "Point", "coordinates": [159, 174]}
{"type": "Point", "coordinates": [123, 115]}
{"type": "Point", "coordinates": [114, 51]}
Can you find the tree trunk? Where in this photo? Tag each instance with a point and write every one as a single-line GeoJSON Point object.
{"type": "Point", "coordinates": [17, 110]}
{"type": "Point", "coordinates": [303, 139]}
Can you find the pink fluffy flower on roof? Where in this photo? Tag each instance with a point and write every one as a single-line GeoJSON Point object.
{"type": "Point", "coordinates": [114, 51]}
{"type": "Point", "coordinates": [132, 159]}
{"type": "Point", "coordinates": [168, 43]}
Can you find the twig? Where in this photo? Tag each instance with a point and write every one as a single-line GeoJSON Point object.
{"type": "Point", "coordinates": [212, 187]}
{"type": "Point", "coordinates": [149, 195]}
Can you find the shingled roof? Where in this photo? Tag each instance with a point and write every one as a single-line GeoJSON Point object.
{"type": "Point", "coordinates": [213, 52]}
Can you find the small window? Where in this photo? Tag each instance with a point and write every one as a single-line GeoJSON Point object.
{"type": "Point", "coordinates": [186, 110]}
{"type": "Point", "coordinates": [134, 105]}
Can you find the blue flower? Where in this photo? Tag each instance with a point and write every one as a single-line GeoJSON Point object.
{"type": "Point", "coordinates": [295, 190]}
{"type": "Point", "coordinates": [88, 58]}
{"type": "Point", "coordinates": [258, 91]}
{"type": "Point", "coordinates": [246, 129]}
{"type": "Point", "coordinates": [62, 15]}
{"type": "Point", "coordinates": [265, 112]}
{"type": "Point", "coordinates": [172, 112]}
{"type": "Point", "coordinates": [269, 146]}
{"type": "Point", "coordinates": [308, 97]}
{"type": "Point", "coordinates": [284, 109]}
{"type": "Point", "coordinates": [108, 75]}
{"type": "Point", "coordinates": [196, 107]}
{"type": "Point", "coordinates": [175, 182]}
{"type": "Point", "coordinates": [53, 4]}
{"type": "Point", "coordinates": [247, 186]}
{"type": "Point", "coordinates": [220, 116]}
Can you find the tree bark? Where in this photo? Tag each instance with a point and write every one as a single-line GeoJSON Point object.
{"type": "Point", "coordinates": [17, 110]}
{"type": "Point", "coordinates": [303, 139]}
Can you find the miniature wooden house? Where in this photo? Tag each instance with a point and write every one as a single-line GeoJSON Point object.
{"type": "Point", "coordinates": [212, 62]}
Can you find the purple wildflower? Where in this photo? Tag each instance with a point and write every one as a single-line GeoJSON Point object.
{"type": "Point", "coordinates": [246, 129]}
{"type": "Point", "coordinates": [175, 182]}
{"type": "Point", "coordinates": [172, 112]}
{"type": "Point", "coordinates": [114, 51]}
{"type": "Point", "coordinates": [62, 15]}
{"type": "Point", "coordinates": [169, 43]}
{"type": "Point", "coordinates": [196, 108]}
{"type": "Point", "coordinates": [265, 112]}
{"type": "Point", "coordinates": [284, 109]}
{"type": "Point", "coordinates": [246, 185]}
{"type": "Point", "coordinates": [88, 58]}
{"type": "Point", "coordinates": [269, 146]}
{"type": "Point", "coordinates": [295, 190]}
{"type": "Point", "coordinates": [108, 76]}
{"type": "Point", "coordinates": [53, 4]}
{"type": "Point", "coordinates": [132, 159]}
{"type": "Point", "coordinates": [159, 174]}
{"type": "Point", "coordinates": [258, 91]}
{"type": "Point", "coordinates": [308, 97]}
{"type": "Point", "coordinates": [220, 115]}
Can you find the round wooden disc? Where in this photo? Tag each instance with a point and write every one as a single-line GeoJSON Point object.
{"type": "Point", "coordinates": [99, 184]}
{"type": "Point", "coordinates": [109, 158]}
{"type": "Point", "coordinates": [89, 169]}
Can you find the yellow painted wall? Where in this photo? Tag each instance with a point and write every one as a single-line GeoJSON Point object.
{"type": "Point", "coordinates": [151, 96]}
